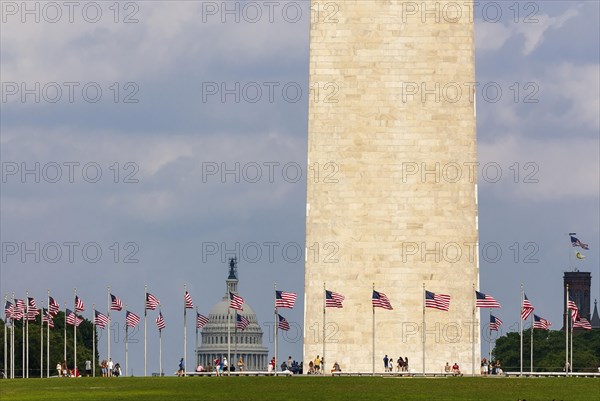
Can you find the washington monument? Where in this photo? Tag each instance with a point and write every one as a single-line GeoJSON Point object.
{"type": "Point", "coordinates": [400, 213]}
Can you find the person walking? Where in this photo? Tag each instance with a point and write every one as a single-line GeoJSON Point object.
{"type": "Point", "coordinates": [385, 363]}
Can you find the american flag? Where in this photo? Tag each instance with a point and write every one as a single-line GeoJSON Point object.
{"type": "Point", "coordinates": [72, 318]}
{"type": "Point", "coordinates": [100, 319]}
{"type": "Point", "coordinates": [79, 307]}
{"type": "Point", "coordinates": [526, 309]}
{"type": "Point", "coordinates": [8, 310]}
{"type": "Point", "coordinates": [485, 301]}
{"type": "Point", "coordinates": [380, 300]}
{"type": "Point", "coordinates": [284, 299]}
{"type": "Point", "coordinates": [115, 303]}
{"type": "Point", "coordinates": [242, 322]}
{"type": "Point", "coordinates": [437, 301]}
{"type": "Point", "coordinates": [495, 323]}
{"type": "Point", "coordinates": [582, 323]}
{"type": "Point", "coordinates": [201, 320]}
{"type": "Point", "coordinates": [188, 304]}
{"type": "Point", "coordinates": [47, 318]}
{"type": "Point", "coordinates": [151, 301]}
{"type": "Point", "coordinates": [540, 323]}
{"type": "Point", "coordinates": [283, 324]}
{"type": "Point", "coordinates": [333, 299]}
{"type": "Point", "coordinates": [160, 321]}
{"type": "Point", "coordinates": [574, 309]}
{"type": "Point", "coordinates": [131, 319]}
{"type": "Point", "coordinates": [19, 309]}
{"type": "Point", "coordinates": [235, 301]}
{"type": "Point", "coordinates": [53, 306]}
{"type": "Point", "coordinates": [32, 303]}
{"type": "Point", "coordinates": [576, 242]}
{"type": "Point", "coordinates": [32, 310]}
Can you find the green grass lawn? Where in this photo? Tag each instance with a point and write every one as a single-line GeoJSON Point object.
{"type": "Point", "coordinates": [300, 388]}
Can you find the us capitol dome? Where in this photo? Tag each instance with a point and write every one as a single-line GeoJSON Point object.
{"type": "Point", "coordinates": [246, 344]}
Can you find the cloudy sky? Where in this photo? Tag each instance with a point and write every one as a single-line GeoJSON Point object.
{"type": "Point", "coordinates": [122, 130]}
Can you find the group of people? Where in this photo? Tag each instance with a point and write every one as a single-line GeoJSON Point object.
{"type": "Point", "coordinates": [491, 367]}
{"type": "Point", "coordinates": [401, 364]}
{"type": "Point", "coordinates": [454, 369]}
{"type": "Point", "coordinates": [110, 369]}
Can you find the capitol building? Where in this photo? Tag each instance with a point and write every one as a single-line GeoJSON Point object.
{"type": "Point", "coordinates": [246, 344]}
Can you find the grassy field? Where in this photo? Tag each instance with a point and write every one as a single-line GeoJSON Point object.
{"type": "Point", "coordinates": [301, 388]}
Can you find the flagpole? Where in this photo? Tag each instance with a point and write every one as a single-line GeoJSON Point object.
{"type": "Point", "coordinates": [490, 341]}
{"type": "Point", "coordinates": [184, 330]}
{"type": "Point", "coordinates": [160, 349]}
{"type": "Point", "coordinates": [42, 342]}
{"type": "Point", "coordinates": [571, 339]}
{"type": "Point", "coordinates": [373, 333]}
{"type": "Point", "coordinates": [94, 340]}
{"type": "Point", "coordinates": [65, 334]}
{"type": "Point", "coordinates": [473, 333]}
{"type": "Point", "coordinates": [196, 349]}
{"type": "Point", "coordinates": [567, 332]}
{"type": "Point", "coordinates": [48, 338]}
{"type": "Point", "coordinates": [275, 324]}
{"type": "Point", "coordinates": [324, 303]}
{"type": "Point", "coordinates": [521, 332]}
{"type": "Point", "coordinates": [531, 346]}
{"type": "Point", "coordinates": [108, 318]}
{"type": "Point", "coordinates": [12, 342]}
{"type": "Point", "coordinates": [26, 365]}
{"type": "Point", "coordinates": [145, 315]}
{"type": "Point", "coordinates": [229, 339]}
{"type": "Point", "coordinates": [23, 346]}
{"type": "Point", "coordinates": [75, 334]}
{"type": "Point", "coordinates": [126, 342]}
{"type": "Point", "coordinates": [423, 334]}
{"type": "Point", "coordinates": [234, 334]}
{"type": "Point", "coordinates": [5, 366]}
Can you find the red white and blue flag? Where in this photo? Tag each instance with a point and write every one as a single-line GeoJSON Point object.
{"type": "Point", "coordinates": [72, 318]}
{"type": "Point", "coordinates": [242, 322]}
{"type": "Point", "coordinates": [201, 320]}
{"type": "Point", "coordinates": [495, 323]}
{"type": "Point", "coordinates": [572, 306]}
{"type": "Point", "coordinates": [100, 319]}
{"type": "Point", "coordinates": [53, 306]}
{"type": "Point", "coordinates": [285, 299]}
{"type": "Point", "coordinates": [188, 304]}
{"type": "Point", "coordinates": [582, 323]}
{"type": "Point", "coordinates": [115, 303]}
{"type": "Point", "coordinates": [160, 321]}
{"type": "Point", "coordinates": [541, 323]}
{"type": "Point", "coordinates": [131, 319]}
{"type": "Point", "coordinates": [527, 308]}
{"type": "Point", "coordinates": [47, 318]}
{"type": "Point", "coordinates": [79, 307]}
{"type": "Point", "coordinates": [437, 301]}
{"type": "Point", "coordinates": [8, 310]}
{"type": "Point", "coordinates": [283, 323]}
{"type": "Point", "coordinates": [235, 301]}
{"type": "Point", "coordinates": [575, 242]}
{"type": "Point", "coordinates": [333, 299]}
{"type": "Point", "coordinates": [485, 301]}
{"type": "Point", "coordinates": [151, 301]}
{"type": "Point", "coordinates": [380, 300]}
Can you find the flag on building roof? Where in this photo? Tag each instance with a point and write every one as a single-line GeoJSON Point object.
{"type": "Point", "coordinates": [53, 306]}
{"type": "Point", "coordinates": [235, 301]}
{"type": "Point", "coordinates": [380, 300]}
{"type": "Point", "coordinates": [151, 301]}
{"type": "Point", "coordinates": [115, 303]}
{"type": "Point", "coordinates": [485, 301]}
{"type": "Point", "coordinates": [540, 323]}
{"type": "Point", "coordinates": [131, 319]}
{"type": "Point", "coordinates": [495, 323]}
{"type": "Point", "coordinates": [333, 299]}
{"type": "Point", "coordinates": [572, 306]}
{"type": "Point", "coordinates": [100, 319]}
{"type": "Point", "coordinates": [79, 307]}
{"type": "Point", "coordinates": [201, 320]}
{"type": "Point", "coordinates": [188, 304]}
{"type": "Point", "coordinates": [576, 242]}
{"type": "Point", "coordinates": [284, 299]}
{"type": "Point", "coordinates": [242, 322]}
{"type": "Point", "coordinates": [582, 323]}
{"type": "Point", "coordinates": [160, 321]}
{"type": "Point", "coordinates": [283, 323]}
{"type": "Point", "coordinates": [72, 318]}
{"type": "Point", "coordinates": [437, 301]}
{"type": "Point", "coordinates": [526, 308]}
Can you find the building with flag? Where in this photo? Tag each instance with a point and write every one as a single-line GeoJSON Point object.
{"type": "Point", "coordinates": [245, 343]}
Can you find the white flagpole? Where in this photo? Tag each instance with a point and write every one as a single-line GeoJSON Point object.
{"type": "Point", "coordinates": [373, 331]}
{"type": "Point", "coordinates": [521, 331]}
{"type": "Point", "coordinates": [42, 341]}
{"type": "Point", "coordinates": [26, 365]}
{"type": "Point", "coordinates": [48, 339]}
{"type": "Point", "coordinates": [424, 336]}
{"type": "Point", "coordinates": [567, 318]}
{"type": "Point", "coordinates": [12, 342]}
{"type": "Point", "coordinates": [65, 334]}
{"type": "Point", "coordinates": [23, 346]}
{"type": "Point", "coordinates": [5, 366]}
{"type": "Point", "coordinates": [75, 334]}
{"type": "Point", "coordinates": [473, 332]}
{"type": "Point", "coordinates": [126, 343]}
{"type": "Point", "coordinates": [108, 333]}
{"type": "Point", "coordinates": [275, 320]}
{"type": "Point", "coordinates": [94, 340]}
{"type": "Point", "coordinates": [184, 331]}
{"type": "Point", "coordinates": [229, 339]}
{"type": "Point", "coordinates": [531, 346]}
{"type": "Point", "coordinates": [324, 301]}
{"type": "Point", "coordinates": [196, 348]}
{"type": "Point", "coordinates": [160, 351]}
{"type": "Point", "coordinates": [145, 318]}
{"type": "Point", "coordinates": [571, 340]}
